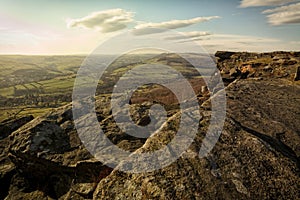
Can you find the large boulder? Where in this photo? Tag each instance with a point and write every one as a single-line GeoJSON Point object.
{"type": "Point", "coordinates": [50, 161]}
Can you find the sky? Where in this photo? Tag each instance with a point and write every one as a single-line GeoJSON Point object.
{"type": "Point", "coordinates": [78, 27]}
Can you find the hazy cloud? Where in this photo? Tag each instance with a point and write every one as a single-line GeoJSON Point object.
{"type": "Point", "coordinates": [295, 42]}
{"type": "Point", "coordinates": [289, 14]}
{"type": "Point", "coordinates": [105, 21]}
{"type": "Point", "coordinates": [189, 35]}
{"type": "Point", "coordinates": [232, 42]}
{"type": "Point", "coordinates": [149, 28]}
{"type": "Point", "coordinates": [255, 3]}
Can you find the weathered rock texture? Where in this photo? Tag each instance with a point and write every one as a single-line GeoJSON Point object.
{"type": "Point", "coordinates": [256, 157]}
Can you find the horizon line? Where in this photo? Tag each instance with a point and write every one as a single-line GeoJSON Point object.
{"type": "Point", "coordinates": [79, 54]}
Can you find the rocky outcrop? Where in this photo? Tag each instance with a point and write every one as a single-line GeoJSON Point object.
{"type": "Point", "coordinates": [257, 155]}
{"type": "Point", "coordinates": [46, 159]}
{"type": "Point", "coordinates": [275, 65]}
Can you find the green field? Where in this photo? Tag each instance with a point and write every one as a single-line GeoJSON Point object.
{"type": "Point", "coordinates": [33, 85]}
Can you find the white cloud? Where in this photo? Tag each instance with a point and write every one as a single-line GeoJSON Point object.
{"type": "Point", "coordinates": [255, 3]}
{"type": "Point", "coordinates": [117, 19]}
{"type": "Point", "coordinates": [286, 12]}
{"type": "Point", "coordinates": [105, 21]}
{"type": "Point", "coordinates": [289, 14]}
{"type": "Point", "coordinates": [149, 28]}
{"type": "Point", "coordinates": [189, 35]}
